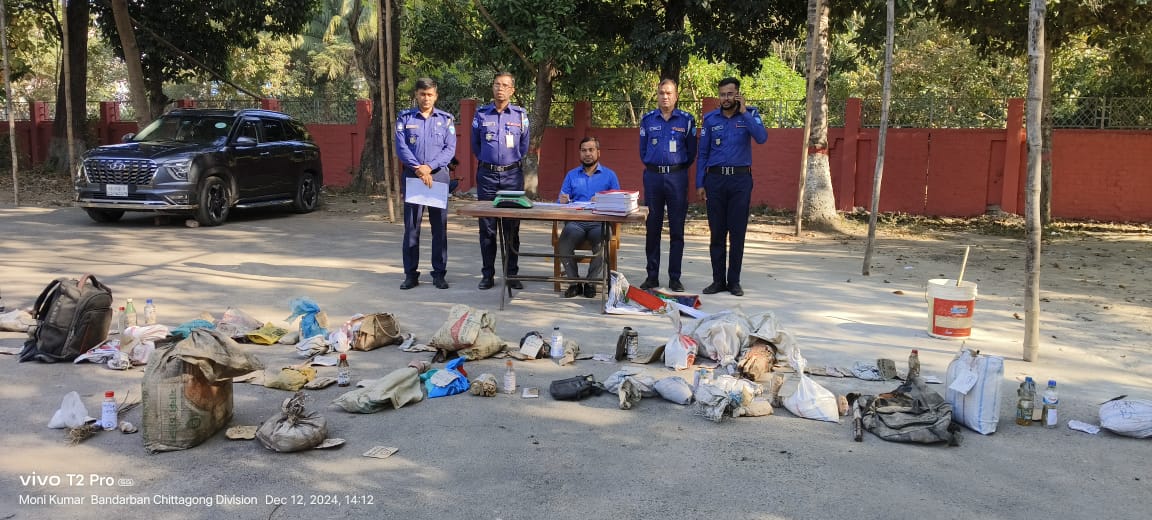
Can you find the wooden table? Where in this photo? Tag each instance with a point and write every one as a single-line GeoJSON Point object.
{"type": "Point", "coordinates": [555, 213]}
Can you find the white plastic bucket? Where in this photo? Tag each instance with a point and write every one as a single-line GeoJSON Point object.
{"type": "Point", "coordinates": [950, 308]}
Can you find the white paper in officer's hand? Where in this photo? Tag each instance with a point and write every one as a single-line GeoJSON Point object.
{"type": "Point", "coordinates": [416, 192]}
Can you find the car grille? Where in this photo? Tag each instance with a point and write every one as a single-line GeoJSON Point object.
{"type": "Point", "coordinates": [120, 171]}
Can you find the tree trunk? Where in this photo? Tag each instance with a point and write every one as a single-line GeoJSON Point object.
{"type": "Point", "coordinates": [675, 12]}
{"type": "Point", "coordinates": [1033, 229]}
{"type": "Point", "coordinates": [132, 61]}
{"type": "Point", "coordinates": [819, 202]}
{"type": "Point", "coordinates": [78, 74]}
{"type": "Point", "coordinates": [157, 99]}
{"type": "Point", "coordinates": [370, 177]}
{"type": "Point", "coordinates": [538, 119]}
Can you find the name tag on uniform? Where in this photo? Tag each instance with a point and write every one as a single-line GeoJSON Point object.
{"type": "Point", "coordinates": [412, 126]}
{"type": "Point", "coordinates": [509, 142]}
{"type": "Point", "coordinates": [671, 146]}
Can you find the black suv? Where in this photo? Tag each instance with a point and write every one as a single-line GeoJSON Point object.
{"type": "Point", "coordinates": [203, 162]}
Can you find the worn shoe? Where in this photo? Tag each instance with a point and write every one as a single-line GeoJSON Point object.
{"type": "Point", "coordinates": [486, 283]}
{"type": "Point", "coordinates": [629, 394]}
{"type": "Point", "coordinates": [515, 284]}
{"type": "Point", "coordinates": [735, 289]}
{"type": "Point", "coordinates": [714, 288]}
{"type": "Point", "coordinates": [675, 286]}
{"type": "Point", "coordinates": [573, 290]}
{"type": "Point", "coordinates": [589, 290]}
{"type": "Point", "coordinates": [650, 283]}
{"type": "Point", "coordinates": [410, 281]}
{"type": "Point", "coordinates": [439, 282]}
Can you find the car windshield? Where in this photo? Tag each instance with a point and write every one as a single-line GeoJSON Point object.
{"type": "Point", "coordinates": [187, 129]}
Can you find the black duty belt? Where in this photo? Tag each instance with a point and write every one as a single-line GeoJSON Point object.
{"type": "Point", "coordinates": [666, 169]}
{"type": "Point", "coordinates": [729, 170]}
{"type": "Point", "coordinates": [496, 168]}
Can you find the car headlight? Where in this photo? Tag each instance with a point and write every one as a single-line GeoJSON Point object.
{"type": "Point", "coordinates": [179, 170]}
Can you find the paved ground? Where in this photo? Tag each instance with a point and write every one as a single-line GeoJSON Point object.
{"type": "Point", "coordinates": [511, 458]}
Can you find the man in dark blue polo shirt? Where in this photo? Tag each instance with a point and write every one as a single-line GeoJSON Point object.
{"type": "Point", "coordinates": [580, 185]}
{"type": "Point", "coordinates": [500, 142]}
{"type": "Point", "coordinates": [667, 149]}
{"type": "Point", "coordinates": [425, 144]}
{"type": "Point", "coordinates": [724, 181]}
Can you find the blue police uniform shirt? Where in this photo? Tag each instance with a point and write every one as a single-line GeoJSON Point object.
{"type": "Point", "coordinates": [580, 186]}
{"type": "Point", "coordinates": [727, 141]}
{"type": "Point", "coordinates": [500, 137]}
{"type": "Point", "coordinates": [667, 143]}
{"type": "Point", "coordinates": [430, 141]}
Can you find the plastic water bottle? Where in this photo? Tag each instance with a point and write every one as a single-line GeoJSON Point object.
{"type": "Point", "coordinates": [109, 419]}
{"type": "Point", "coordinates": [343, 372]}
{"type": "Point", "coordinates": [509, 378]}
{"type": "Point", "coordinates": [1027, 402]}
{"type": "Point", "coordinates": [913, 365]}
{"type": "Point", "coordinates": [130, 320]}
{"type": "Point", "coordinates": [1051, 400]}
{"type": "Point", "coordinates": [149, 312]}
{"type": "Point", "coordinates": [557, 350]}
{"type": "Point", "coordinates": [121, 320]}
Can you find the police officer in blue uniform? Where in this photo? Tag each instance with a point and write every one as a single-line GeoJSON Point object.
{"type": "Point", "coordinates": [425, 144]}
{"type": "Point", "coordinates": [500, 142]}
{"type": "Point", "coordinates": [724, 181]}
{"type": "Point", "coordinates": [667, 149]}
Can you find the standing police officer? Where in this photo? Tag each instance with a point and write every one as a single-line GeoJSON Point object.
{"type": "Point", "coordinates": [667, 149]}
{"type": "Point", "coordinates": [499, 141]}
{"type": "Point", "coordinates": [425, 144]}
{"type": "Point", "coordinates": [724, 180]}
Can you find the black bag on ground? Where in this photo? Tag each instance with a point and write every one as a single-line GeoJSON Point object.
{"type": "Point", "coordinates": [575, 388]}
{"type": "Point", "coordinates": [72, 316]}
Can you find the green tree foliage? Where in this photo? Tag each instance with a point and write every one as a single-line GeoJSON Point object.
{"type": "Point", "coordinates": [207, 31]}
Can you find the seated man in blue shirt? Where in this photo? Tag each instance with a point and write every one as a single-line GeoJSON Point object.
{"type": "Point", "coordinates": [580, 185]}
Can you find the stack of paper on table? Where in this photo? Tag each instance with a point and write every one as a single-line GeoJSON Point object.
{"type": "Point", "coordinates": [616, 202]}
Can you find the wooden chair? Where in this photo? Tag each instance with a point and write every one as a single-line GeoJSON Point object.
{"type": "Point", "coordinates": [613, 246]}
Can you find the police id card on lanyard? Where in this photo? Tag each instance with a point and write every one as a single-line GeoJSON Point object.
{"type": "Point", "coordinates": [672, 146]}
{"type": "Point", "coordinates": [509, 142]}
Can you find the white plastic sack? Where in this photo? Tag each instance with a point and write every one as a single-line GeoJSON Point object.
{"type": "Point", "coordinates": [765, 326]}
{"type": "Point", "coordinates": [1127, 417]}
{"type": "Point", "coordinates": [722, 335]}
{"type": "Point", "coordinates": [616, 300]}
{"type": "Point", "coordinates": [680, 352]}
{"type": "Point", "coordinates": [72, 413]}
{"type": "Point", "coordinates": [978, 408]}
{"type": "Point", "coordinates": [810, 400]}
{"type": "Point", "coordinates": [674, 389]}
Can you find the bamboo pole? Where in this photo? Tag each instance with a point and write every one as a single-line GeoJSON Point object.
{"type": "Point", "coordinates": [384, 37]}
{"type": "Point", "coordinates": [878, 174]}
{"type": "Point", "coordinates": [67, 69]}
{"type": "Point", "coordinates": [1036, 58]}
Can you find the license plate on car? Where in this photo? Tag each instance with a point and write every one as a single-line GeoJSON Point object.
{"type": "Point", "coordinates": [116, 190]}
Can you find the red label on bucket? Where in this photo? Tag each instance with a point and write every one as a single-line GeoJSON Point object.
{"type": "Point", "coordinates": [952, 317]}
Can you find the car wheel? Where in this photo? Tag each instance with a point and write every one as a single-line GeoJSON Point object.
{"type": "Point", "coordinates": [104, 216]}
{"type": "Point", "coordinates": [215, 202]}
{"type": "Point", "coordinates": [307, 194]}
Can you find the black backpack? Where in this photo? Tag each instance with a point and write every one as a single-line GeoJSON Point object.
{"type": "Point", "coordinates": [72, 317]}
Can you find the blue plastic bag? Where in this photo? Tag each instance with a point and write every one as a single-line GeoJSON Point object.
{"type": "Point", "coordinates": [185, 329]}
{"type": "Point", "coordinates": [459, 381]}
{"type": "Point", "coordinates": [309, 326]}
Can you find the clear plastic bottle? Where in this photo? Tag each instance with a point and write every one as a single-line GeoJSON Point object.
{"type": "Point", "coordinates": [343, 371]}
{"type": "Point", "coordinates": [913, 365]}
{"type": "Point", "coordinates": [121, 320]}
{"type": "Point", "coordinates": [509, 378]}
{"type": "Point", "coordinates": [557, 350]}
{"type": "Point", "coordinates": [109, 419]}
{"type": "Point", "coordinates": [149, 312]}
{"type": "Point", "coordinates": [130, 319]}
{"type": "Point", "coordinates": [1026, 403]}
{"type": "Point", "coordinates": [1051, 400]}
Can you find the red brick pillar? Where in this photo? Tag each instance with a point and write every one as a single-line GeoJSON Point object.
{"type": "Point", "coordinates": [37, 147]}
{"type": "Point", "coordinates": [186, 103]}
{"type": "Point", "coordinates": [581, 119]}
{"type": "Point", "coordinates": [1015, 152]}
{"type": "Point", "coordinates": [464, 153]}
{"type": "Point", "coordinates": [109, 113]}
{"type": "Point", "coordinates": [270, 104]}
{"type": "Point", "coordinates": [845, 183]}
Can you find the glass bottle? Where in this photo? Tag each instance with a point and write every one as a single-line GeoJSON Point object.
{"type": "Point", "coordinates": [130, 319]}
{"type": "Point", "coordinates": [509, 378]}
{"type": "Point", "coordinates": [1026, 403]}
{"type": "Point", "coordinates": [343, 371]}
